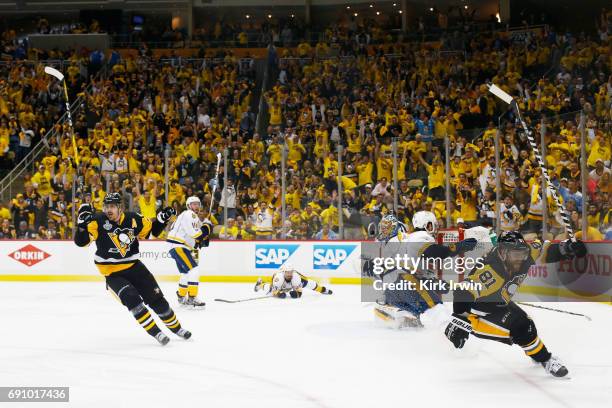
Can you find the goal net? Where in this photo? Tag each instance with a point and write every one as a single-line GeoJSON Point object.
{"type": "Point", "coordinates": [451, 236]}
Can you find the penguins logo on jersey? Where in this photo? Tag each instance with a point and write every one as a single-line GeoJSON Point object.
{"type": "Point", "coordinates": [512, 286]}
{"type": "Point", "coordinates": [122, 238]}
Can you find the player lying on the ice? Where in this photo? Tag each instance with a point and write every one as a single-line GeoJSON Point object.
{"type": "Point", "coordinates": [289, 282]}
{"type": "Point", "coordinates": [490, 313]}
{"type": "Point", "coordinates": [403, 307]}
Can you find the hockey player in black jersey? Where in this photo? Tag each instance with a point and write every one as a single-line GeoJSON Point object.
{"type": "Point", "coordinates": [490, 313]}
{"type": "Point", "coordinates": [116, 235]}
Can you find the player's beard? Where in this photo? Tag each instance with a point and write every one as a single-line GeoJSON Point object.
{"type": "Point", "coordinates": [513, 266]}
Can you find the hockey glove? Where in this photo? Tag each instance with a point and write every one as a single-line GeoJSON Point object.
{"type": "Point", "coordinates": [281, 295]}
{"type": "Point", "coordinates": [85, 208]}
{"type": "Point", "coordinates": [458, 330]}
{"type": "Point", "coordinates": [466, 245]}
{"type": "Point", "coordinates": [85, 216]}
{"type": "Point", "coordinates": [164, 215]}
{"type": "Point", "coordinates": [572, 249]}
{"type": "Point", "coordinates": [294, 294]}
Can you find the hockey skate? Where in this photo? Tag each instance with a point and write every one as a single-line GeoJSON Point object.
{"type": "Point", "coordinates": [181, 299]}
{"type": "Point", "coordinates": [162, 338]}
{"type": "Point", "coordinates": [555, 367]}
{"type": "Point", "coordinates": [258, 285]}
{"type": "Point", "coordinates": [194, 302]}
{"type": "Point", "coordinates": [186, 334]}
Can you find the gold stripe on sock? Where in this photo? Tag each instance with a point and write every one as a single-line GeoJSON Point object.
{"type": "Point", "coordinates": [143, 318]}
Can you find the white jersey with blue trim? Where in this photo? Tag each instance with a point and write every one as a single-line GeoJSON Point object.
{"type": "Point", "coordinates": [185, 230]}
{"type": "Point", "coordinates": [419, 236]}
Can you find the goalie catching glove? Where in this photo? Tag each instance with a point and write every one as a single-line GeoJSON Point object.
{"type": "Point", "coordinates": [458, 330]}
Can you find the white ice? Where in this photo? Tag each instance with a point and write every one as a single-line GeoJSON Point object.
{"type": "Point", "coordinates": [318, 351]}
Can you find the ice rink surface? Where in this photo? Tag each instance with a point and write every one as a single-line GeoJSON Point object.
{"type": "Point", "coordinates": [318, 351]}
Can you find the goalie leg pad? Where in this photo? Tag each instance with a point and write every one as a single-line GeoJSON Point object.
{"type": "Point", "coordinates": [395, 318]}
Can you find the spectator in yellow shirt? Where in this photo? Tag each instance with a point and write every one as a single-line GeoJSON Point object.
{"type": "Point", "coordinates": [147, 201]}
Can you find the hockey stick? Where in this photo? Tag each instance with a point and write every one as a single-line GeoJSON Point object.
{"type": "Point", "coordinates": [555, 310]}
{"type": "Point", "coordinates": [60, 77]}
{"type": "Point", "coordinates": [243, 300]}
{"type": "Point", "coordinates": [212, 196]}
{"type": "Point", "coordinates": [495, 90]}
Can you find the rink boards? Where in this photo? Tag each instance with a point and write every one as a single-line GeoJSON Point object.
{"type": "Point", "coordinates": [222, 261]}
{"type": "Point", "coordinates": [337, 262]}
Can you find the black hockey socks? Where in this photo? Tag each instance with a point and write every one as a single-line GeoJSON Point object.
{"type": "Point", "coordinates": [537, 350]}
{"type": "Point", "coordinates": [170, 320]}
{"type": "Point", "coordinates": [172, 323]}
{"type": "Point", "coordinates": [144, 318]}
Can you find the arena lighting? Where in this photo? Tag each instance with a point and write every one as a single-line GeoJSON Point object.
{"type": "Point", "coordinates": [394, 4]}
{"type": "Point", "coordinates": [247, 16]}
{"type": "Point", "coordinates": [348, 7]}
{"type": "Point", "coordinates": [269, 15]}
{"type": "Point", "coordinates": [465, 7]}
{"type": "Point", "coordinates": [498, 18]}
{"type": "Point", "coordinates": [431, 9]}
{"type": "Point", "coordinates": [293, 16]}
{"type": "Point", "coordinates": [400, 11]}
{"type": "Point", "coordinates": [356, 14]}
{"type": "Point", "coordinates": [371, 5]}
{"type": "Point", "coordinates": [378, 13]}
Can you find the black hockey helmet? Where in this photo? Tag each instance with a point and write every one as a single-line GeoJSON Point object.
{"type": "Point", "coordinates": [510, 238]}
{"type": "Point", "coordinates": [112, 198]}
{"type": "Point", "coordinates": [513, 247]}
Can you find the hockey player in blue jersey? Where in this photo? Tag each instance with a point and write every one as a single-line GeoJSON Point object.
{"type": "Point", "coordinates": [403, 307]}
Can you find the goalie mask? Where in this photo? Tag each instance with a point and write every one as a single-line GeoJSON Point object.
{"type": "Point", "coordinates": [513, 250]}
{"type": "Point", "coordinates": [425, 221]}
{"type": "Point", "coordinates": [388, 227]}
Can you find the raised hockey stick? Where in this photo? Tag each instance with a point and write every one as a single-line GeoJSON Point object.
{"type": "Point", "coordinates": [60, 77]}
{"type": "Point", "coordinates": [243, 300]}
{"type": "Point", "coordinates": [554, 310]}
{"type": "Point", "coordinates": [212, 196]}
{"type": "Point", "coordinates": [501, 94]}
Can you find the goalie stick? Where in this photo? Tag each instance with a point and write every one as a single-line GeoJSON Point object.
{"type": "Point", "coordinates": [501, 94]}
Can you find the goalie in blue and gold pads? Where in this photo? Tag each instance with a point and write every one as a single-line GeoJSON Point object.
{"type": "Point", "coordinates": [116, 235]}
{"type": "Point", "coordinates": [490, 313]}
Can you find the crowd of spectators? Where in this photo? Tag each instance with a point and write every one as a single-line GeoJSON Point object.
{"type": "Point", "coordinates": [131, 117]}
{"type": "Point", "coordinates": [416, 96]}
{"type": "Point", "coordinates": [361, 99]}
